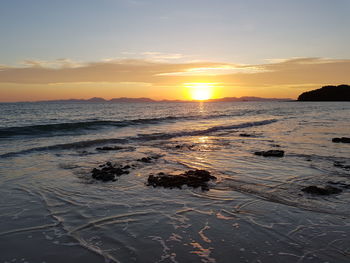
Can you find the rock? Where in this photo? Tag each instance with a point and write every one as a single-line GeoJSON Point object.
{"type": "Point", "coordinates": [186, 146]}
{"type": "Point", "coordinates": [145, 159]}
{"type": "Point", "coordinates": [327, 93]}
{"type": "Point", "coordinates": [191, 178]}
{"type": "Point", "coordinates": [342, 140]}
{"type": "Point", "coordinates": [271, 153]}
{"type": "Point", "coordinates": [108, 172]}
{"type": "Point", "coordinates": [341, 165]}
{"type": "Point", "coordinates": [276, 145]}
{"type": "Point", "coordinates": [148, 159]}
{"type": "Point", "coordinates": [109, 148]}
{"type": "Point", "coordinates": [245, 135]}
{"type": "Point", "coordinates": [328, 190]}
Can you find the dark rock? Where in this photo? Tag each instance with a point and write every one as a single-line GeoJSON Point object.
{"type": "Point", "coordinates": [276, 145]}
{"type": "Point", "coordinates": [108, 172]}
{"type": "Point", "coordinates": [186, 146]}
{"type": "Point", "coordinates": [327, 93]}
{"type": "Point", "coordinates": [145, 159]}
{"type": "Point", "coordinates": [341, 165]}
{"type": "Point", "coordinates": [342, 140]}
{"type": "Point", "coordinates": [191, 178]}
{"type": "Point", "coordinates": [328, 190]}
{"type": "Point", "coordinates": [245, 135]}
{"type": "Point", "coordinates": [109, 148]}
{"type": "Point", "coordinates": [338, 164]}
{"type": "Point", "coordinates": [271, 153]}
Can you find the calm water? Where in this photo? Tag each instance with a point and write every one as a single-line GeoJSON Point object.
{"type": "Point", "coordinates": [52, 211]}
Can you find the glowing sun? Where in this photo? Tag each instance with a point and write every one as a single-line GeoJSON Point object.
{"type": "Point", "coordinates": [200, 91]}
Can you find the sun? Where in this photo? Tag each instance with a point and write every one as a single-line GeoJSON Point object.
{"type": "Point", "coordinates": [200, 91]}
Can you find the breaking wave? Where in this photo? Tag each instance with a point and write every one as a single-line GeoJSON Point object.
{"type": "Point", "coordinates": [75, 127]}
{"type": "Point", "coordinates": [140, 137]}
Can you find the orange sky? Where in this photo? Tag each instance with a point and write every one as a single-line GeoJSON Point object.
{"type": "Point", "coordinates": [39, 80]}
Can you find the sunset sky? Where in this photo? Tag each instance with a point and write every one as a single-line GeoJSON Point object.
{"type": "Point", "coordinates": [166, 49]}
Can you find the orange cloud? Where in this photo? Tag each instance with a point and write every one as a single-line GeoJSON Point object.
{"type": "Point", "coordinates": [282, 78]}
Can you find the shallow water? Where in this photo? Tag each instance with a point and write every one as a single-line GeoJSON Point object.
{"type": "Point", "coordinates": [255, 211]}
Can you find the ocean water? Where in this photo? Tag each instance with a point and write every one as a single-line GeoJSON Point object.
{"type": "Point", "coordinates": [51, 210]}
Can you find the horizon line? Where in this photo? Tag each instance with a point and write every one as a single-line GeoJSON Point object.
{"type": "Point", "coordinates": [147, 99]}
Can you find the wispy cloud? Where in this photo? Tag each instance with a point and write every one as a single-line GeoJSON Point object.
{"type": "Point", "coordinates": [58, 63]}
{"type": "Point", "coordinates": [162, 56]}
{"type": "Point", "coordinates": [296, 71]}
{"type": "Point", "coordinates": [126, 70]}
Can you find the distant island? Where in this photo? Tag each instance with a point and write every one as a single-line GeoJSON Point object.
{"type": "Point", "coordinates": [135, 100]}
{"type": "Point", "coordinates": [327, 93]}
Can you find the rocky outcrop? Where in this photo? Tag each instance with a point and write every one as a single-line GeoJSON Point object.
{"type": "Point", "coordinates": [109, 172]}
{"type": "Point", "coordinates": [191, 178]}
{"type": "Point", "coordinates": [327, 93]}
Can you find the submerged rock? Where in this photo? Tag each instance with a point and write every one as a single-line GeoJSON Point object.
{"type": "Point", "coordinates": [271, 153]}
{"type": "Point", "coordinates": [185, 146]}
{"type": "Point", "coordinates": [148, 159]}
{"type": "Point", "coordinates": [245, 135]}
{"type": "Point", "coordinates": [342, 140]}
{"type": "Point", "coordinates": [108, 172]}
{"type": "Point", "coordinates": [328, 190]}
{"type": "Point", "coordinates": [276, 145]}
{"type": "Point", "coordinates": [192, 178]}
{"type": "Point", "coordinates": [145, 159]}
{"type": "Point", "coordinates": [109, 148]}
{"type": "Point", "coordinates": [341, 165]}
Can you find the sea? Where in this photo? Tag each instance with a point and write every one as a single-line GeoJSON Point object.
{"type": "Point", "coordinates": [52, 210]}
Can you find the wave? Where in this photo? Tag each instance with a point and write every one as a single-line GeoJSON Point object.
{"type": "Point", "coordinates": [56, 129]}
{"type": "Point", "coordinates": [65, 146]}
{"type": "Point", "coordinates": [61, 128]}
{"type": "Point", "coordinates": [158, 136]}
{"type": "Point", "coordinates": [140, 137]}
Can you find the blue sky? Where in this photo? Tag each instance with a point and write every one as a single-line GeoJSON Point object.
{"type": "Point", "coordinates": [249, 31]}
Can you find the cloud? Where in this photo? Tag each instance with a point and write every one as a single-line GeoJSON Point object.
{"type": "Point", "coordinates": [292, 72]}
{"type": "Point", "coordinates": [162, 56]}
{"type": "Point", "coordinates": [126, 70]}
{"type": "Point", "coordinates": [58, 63]}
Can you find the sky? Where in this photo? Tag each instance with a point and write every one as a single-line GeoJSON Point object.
{"type": "Point", "coordinates": [164, 48]}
